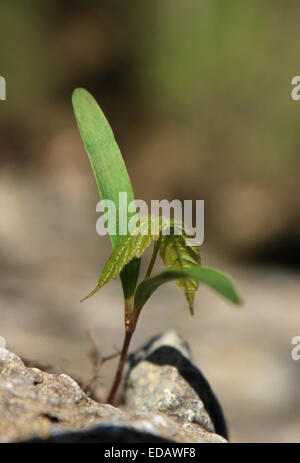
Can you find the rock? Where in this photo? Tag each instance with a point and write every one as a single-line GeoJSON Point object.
{"type": "Point", "coordinates": [162, 379]}
{"type": "Point", "coordinates": [40, 407]}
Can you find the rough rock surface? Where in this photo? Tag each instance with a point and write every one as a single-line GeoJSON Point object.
{"type": "Point", "coordinates": [160, 405]}
{"type": "Point", "coordinates": [163, 379]}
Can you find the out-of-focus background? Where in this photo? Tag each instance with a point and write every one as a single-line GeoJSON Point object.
{"type": "Point", "coordinates": [198, 94]}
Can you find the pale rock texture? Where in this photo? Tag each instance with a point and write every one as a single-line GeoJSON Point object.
{"type": "Point", "coordinates": [161, 404]}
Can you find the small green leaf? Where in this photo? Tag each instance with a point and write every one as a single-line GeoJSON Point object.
{"type": "Point", "coordinates": [108, 167]}
{"type": "Point", "coordinates": [178, 255]}
{"type": "Point", "coordinates": [132, 245]}
{"type": "Point", "coordinates": [219, 281]}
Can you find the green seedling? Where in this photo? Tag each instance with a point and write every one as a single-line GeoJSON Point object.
{"type": "Point", "coordinates": [182, 261]}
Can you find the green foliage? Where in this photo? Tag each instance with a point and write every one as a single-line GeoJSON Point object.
{"type": "Point", "coordinates": [108, 167]}
{"type": "Point", "coordinates": [132, 245]}
{"type": "Point", "coordinates": [178, 255]}
{"type": "Point", "coordinates": [181, 259]}
{"type": "Point", "coordinates": [213, 278]}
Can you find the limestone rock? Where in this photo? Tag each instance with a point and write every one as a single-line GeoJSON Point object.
{"type": "Point", "coordinates": [37, 406]}
{"type": "Point", "coordinates": [162, 379]}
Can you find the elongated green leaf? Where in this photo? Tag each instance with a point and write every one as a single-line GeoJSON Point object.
{"type": "Point", "coordinates": [108, 167]}
{"type": "Point", "coordinates": [132, 245]}
{"type": "Point", "coordinates": [219, 281]}
{"type": "Point", "coordinates": [178, 255]}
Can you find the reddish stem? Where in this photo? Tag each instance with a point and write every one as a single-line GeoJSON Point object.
{"type": "Point", "coordinates": [118, 377]}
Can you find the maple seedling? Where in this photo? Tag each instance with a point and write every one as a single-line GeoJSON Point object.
{"type": "Point", "coordinates": [182, 260]}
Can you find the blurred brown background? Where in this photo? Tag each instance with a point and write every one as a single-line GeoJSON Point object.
{"type": "Point", "coordinates": [198, 95]}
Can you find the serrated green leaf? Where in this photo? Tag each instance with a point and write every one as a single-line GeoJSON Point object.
{"type": "Point", "coordinates": [177, 254]}
{"type": "Point", "coordinates": [132, 245]}
{"type": "Point", "coordinates": [219, 281]}
{"type": "Point", "coordinates": [108, 167]}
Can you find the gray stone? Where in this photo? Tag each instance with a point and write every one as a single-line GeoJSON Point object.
{"type": "Point", "coordinates": [37, 406]}
{"type": "Point", "coordinates": [162, 379]}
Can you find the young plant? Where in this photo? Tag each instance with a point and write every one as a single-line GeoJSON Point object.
{"type": "Point", "coordinates": [182, 260]}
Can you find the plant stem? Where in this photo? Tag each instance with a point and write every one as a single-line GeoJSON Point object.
{"type": "Point", "coordinates": [153, 257]}
{"type": "Point", "coordinates": [118, 377]}
{"type": "Point", "coordinates": [130, 324]}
